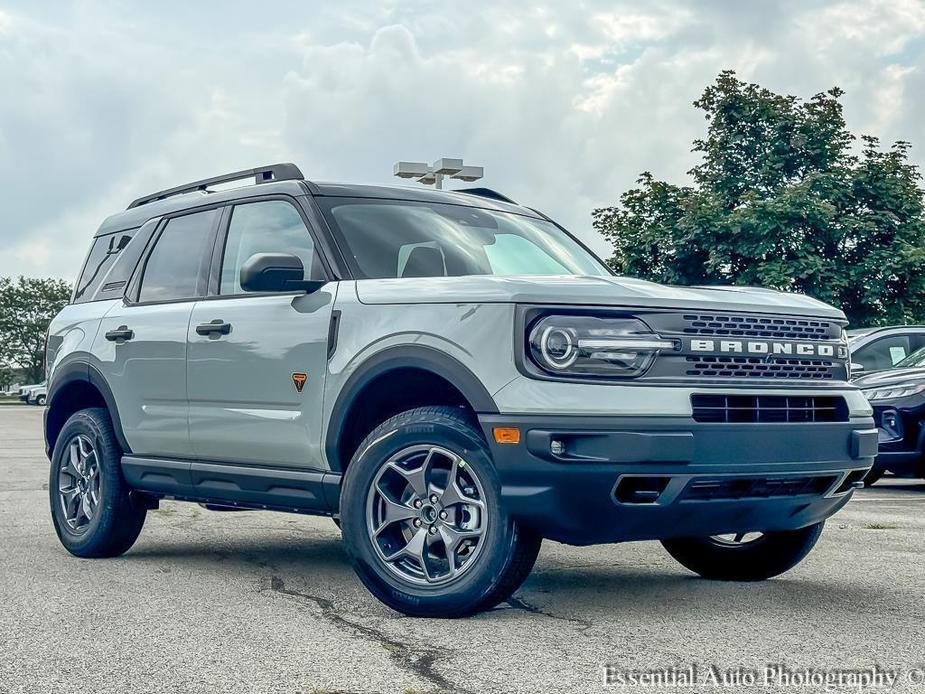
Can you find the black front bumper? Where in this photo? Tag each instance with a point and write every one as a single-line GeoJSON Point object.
{"type": "Point", "coordinates": [621, 478]}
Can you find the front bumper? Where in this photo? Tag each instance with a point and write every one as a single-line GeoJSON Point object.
{"type": "Point", "coordinates": [626, 478]}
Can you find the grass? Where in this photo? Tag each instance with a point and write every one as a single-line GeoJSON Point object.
{"type": "Point", "coordinates": [881, 526]}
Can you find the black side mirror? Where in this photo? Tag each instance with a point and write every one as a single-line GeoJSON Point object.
{"type": "Point", "coordinates": [276, 272]}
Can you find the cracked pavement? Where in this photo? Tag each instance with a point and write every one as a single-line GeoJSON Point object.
{"type": "Point", "coordinates": [265, 602]}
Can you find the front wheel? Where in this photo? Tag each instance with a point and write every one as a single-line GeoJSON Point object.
{"type": "Point", "coordinates": [744, 556]}
{"type": "Point", "coordinates": [422, 518]}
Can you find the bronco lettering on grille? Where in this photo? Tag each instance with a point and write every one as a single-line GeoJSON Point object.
{"type": "Point", "coordinates": [769, 348]}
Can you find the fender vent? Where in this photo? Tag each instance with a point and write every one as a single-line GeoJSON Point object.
{"type": "Point", "coordinates": [768, 409]}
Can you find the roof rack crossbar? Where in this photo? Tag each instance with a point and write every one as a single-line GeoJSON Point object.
{"type": "Point", "coordinates": [485, 193]}
{"type": "Point", "coordinates": [261, 174]}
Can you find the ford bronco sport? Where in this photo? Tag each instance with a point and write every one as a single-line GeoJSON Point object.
{"type": "Point", "coordinates": [451, 376]}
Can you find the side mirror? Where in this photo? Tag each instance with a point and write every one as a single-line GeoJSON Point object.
{"type": "Point", "coordinates": [276, 272]}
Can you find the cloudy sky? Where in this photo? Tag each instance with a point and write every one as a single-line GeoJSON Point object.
{"type": "Point", "coordinates": [563, 103]}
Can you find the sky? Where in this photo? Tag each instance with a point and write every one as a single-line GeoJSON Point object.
{"type": "Point", "coordinates": [563, 103]}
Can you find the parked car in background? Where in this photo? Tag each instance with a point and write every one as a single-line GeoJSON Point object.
{"type": "Point", "coordinates": [875, 349]}
{"type": "Point", "coordinates": [38, 396]}
{"type": "Point", "coordinates": [25, 392]}
{"type": "Point", "coordinates": [897, 395]}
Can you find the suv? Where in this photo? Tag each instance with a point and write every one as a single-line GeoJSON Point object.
{"type": "Point", "coordinates": [451, 376]}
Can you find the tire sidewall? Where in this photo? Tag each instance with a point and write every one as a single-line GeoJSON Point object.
{"type": "Point", "coordinates": [107, 453]}
{"type": "Point", "coordinates": [455, 597]}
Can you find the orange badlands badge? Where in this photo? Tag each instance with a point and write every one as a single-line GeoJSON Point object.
{"type": "Point", "coordinates": [298, 380]}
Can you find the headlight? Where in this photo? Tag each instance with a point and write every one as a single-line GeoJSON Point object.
{"type": "Point", "coordinates": [901, 390]}
{"type": "Point", "coordinates": [590, 346]}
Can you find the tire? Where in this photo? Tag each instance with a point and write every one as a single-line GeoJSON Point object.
{"type": "Point", "coordinates": [415, 456]}
{"type": "Point", "coordinates": [873, 477]}
{"type": "Point", "coordinates": [769, 555]}
{"type": "Point", "coordinates": [116, 520]}
{"type": "Point", "coordinates": [40, 401]}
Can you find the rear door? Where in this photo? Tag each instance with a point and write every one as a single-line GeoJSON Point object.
{"type": "Point", "coordinates": [141, 344]}
{"type": "Point", "coordinates": [256, 382]}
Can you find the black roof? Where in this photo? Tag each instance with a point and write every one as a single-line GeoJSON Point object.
{"type": "Point", "coordinates": [153, 205]}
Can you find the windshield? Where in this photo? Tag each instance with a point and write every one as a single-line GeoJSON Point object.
{"type": "Point", "coordinates": [384, 238]}
{"type": "Point", "coordinates": [917, 358]}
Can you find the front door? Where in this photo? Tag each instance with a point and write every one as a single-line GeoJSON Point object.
{"type": "Point", "coordinates": [256, 381]}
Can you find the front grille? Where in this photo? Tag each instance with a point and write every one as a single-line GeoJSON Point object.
{"type": "Point", "coordinates": [768, 409]}
{"type": "Point", "coordinates": [756, 367]}
{"type": "Point", "coordinates": [760, 326]}
{"type": "Point", "coordinates": [720, 488]}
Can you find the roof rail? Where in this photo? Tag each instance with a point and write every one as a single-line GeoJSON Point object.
{"type": "Point", "coordinates": [485, 193]}
{"type": "Point", "coordinates": [261, 174]}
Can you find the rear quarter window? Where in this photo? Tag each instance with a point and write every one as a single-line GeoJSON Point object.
{"type": "Point", "coordinates": [103, 254]}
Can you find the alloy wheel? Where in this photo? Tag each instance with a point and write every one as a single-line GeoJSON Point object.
{"type": "Point", "coordinates": [79, 483]}
{"type": "Point", "coordinates": [737, 539]}
{"type": "Point", "coordinates": [427, 515]}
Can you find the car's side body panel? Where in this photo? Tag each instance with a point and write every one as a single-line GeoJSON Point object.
{"type": "Point", "coordinates": [248, 400]}
{"type": "Point", "coordinates": [147, 374]}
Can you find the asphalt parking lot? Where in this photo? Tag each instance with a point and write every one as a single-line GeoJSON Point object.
{"type": "Point", "coordinates": [266, 602]}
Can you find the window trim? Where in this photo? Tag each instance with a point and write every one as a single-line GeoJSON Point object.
{"type": "Point", "coordinates": [218, 251]}
{"type": "Point", "coordinates": [133, 293]}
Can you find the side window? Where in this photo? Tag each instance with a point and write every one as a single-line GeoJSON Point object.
{"type": "Point", "coordinates": [173, 268]}
{"type": "Point", "coordinates": [102, 256]}
{"type": "Point", "coordinates": [883, 353]}
{"type": "Point", "coordinates": [271, 226]}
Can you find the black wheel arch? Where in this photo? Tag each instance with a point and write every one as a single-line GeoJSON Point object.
{"type": "Point", "coordinates": [73, 387]}
{"type": "Point", "coordinates": [392, 359]}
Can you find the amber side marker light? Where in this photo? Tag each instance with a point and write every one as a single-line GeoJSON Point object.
{"type": "Point", "coordinates": [506, 435]}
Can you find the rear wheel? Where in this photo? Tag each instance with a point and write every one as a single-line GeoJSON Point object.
{"type": "Point", "coordinates": [744, 556]}
{"type": "Point", "coordinates": [91, 507]}
{"type": "Point", "coordinates": [422, 518]}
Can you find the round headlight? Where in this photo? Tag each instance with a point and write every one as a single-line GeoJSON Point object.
{"type": "Point", "coordinates": [612, 347]}
{"type": "Point", "coordinates": [559, 346]}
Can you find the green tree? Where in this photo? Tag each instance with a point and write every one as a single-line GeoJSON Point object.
{"type": "Point", "coordinates": [27, 306]}
{"type": "Point", "coordinates": [7, 376]}
{"type": "Point", "coordinates": [782, 198]}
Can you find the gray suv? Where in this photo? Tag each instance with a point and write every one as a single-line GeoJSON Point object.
{"type": "Point", "coordinates": [449, 375]}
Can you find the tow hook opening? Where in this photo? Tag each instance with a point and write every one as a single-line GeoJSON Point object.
{"type": "Point", "coordinates": [640, 490]}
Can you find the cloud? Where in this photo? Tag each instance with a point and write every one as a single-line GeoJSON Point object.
{"type": "Point", "coordinates": [563, 104]}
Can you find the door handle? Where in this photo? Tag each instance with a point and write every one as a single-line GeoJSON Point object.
{"type": "Point", "coordinates": [120, 334]}
{"type": "Point", "coordinates": [218, 326]}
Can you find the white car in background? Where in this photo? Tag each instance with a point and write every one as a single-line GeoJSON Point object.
{"type": "Point", "coordinates": [38, 396]}
{"type": "Point", "coordinates": [26, 393]}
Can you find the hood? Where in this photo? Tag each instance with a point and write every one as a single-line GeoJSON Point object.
{"type": "Point", "coordinates": [889, 377]}
{"type": "Point", "coordinates": [588, 291]}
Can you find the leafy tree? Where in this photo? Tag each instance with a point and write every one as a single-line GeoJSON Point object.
{"type": "Point", "coordinates": [27, 306]}
{"type": "Point", "coordinates": [7, 376]}
{"type": "Point", "coordinates": [784, 199]}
